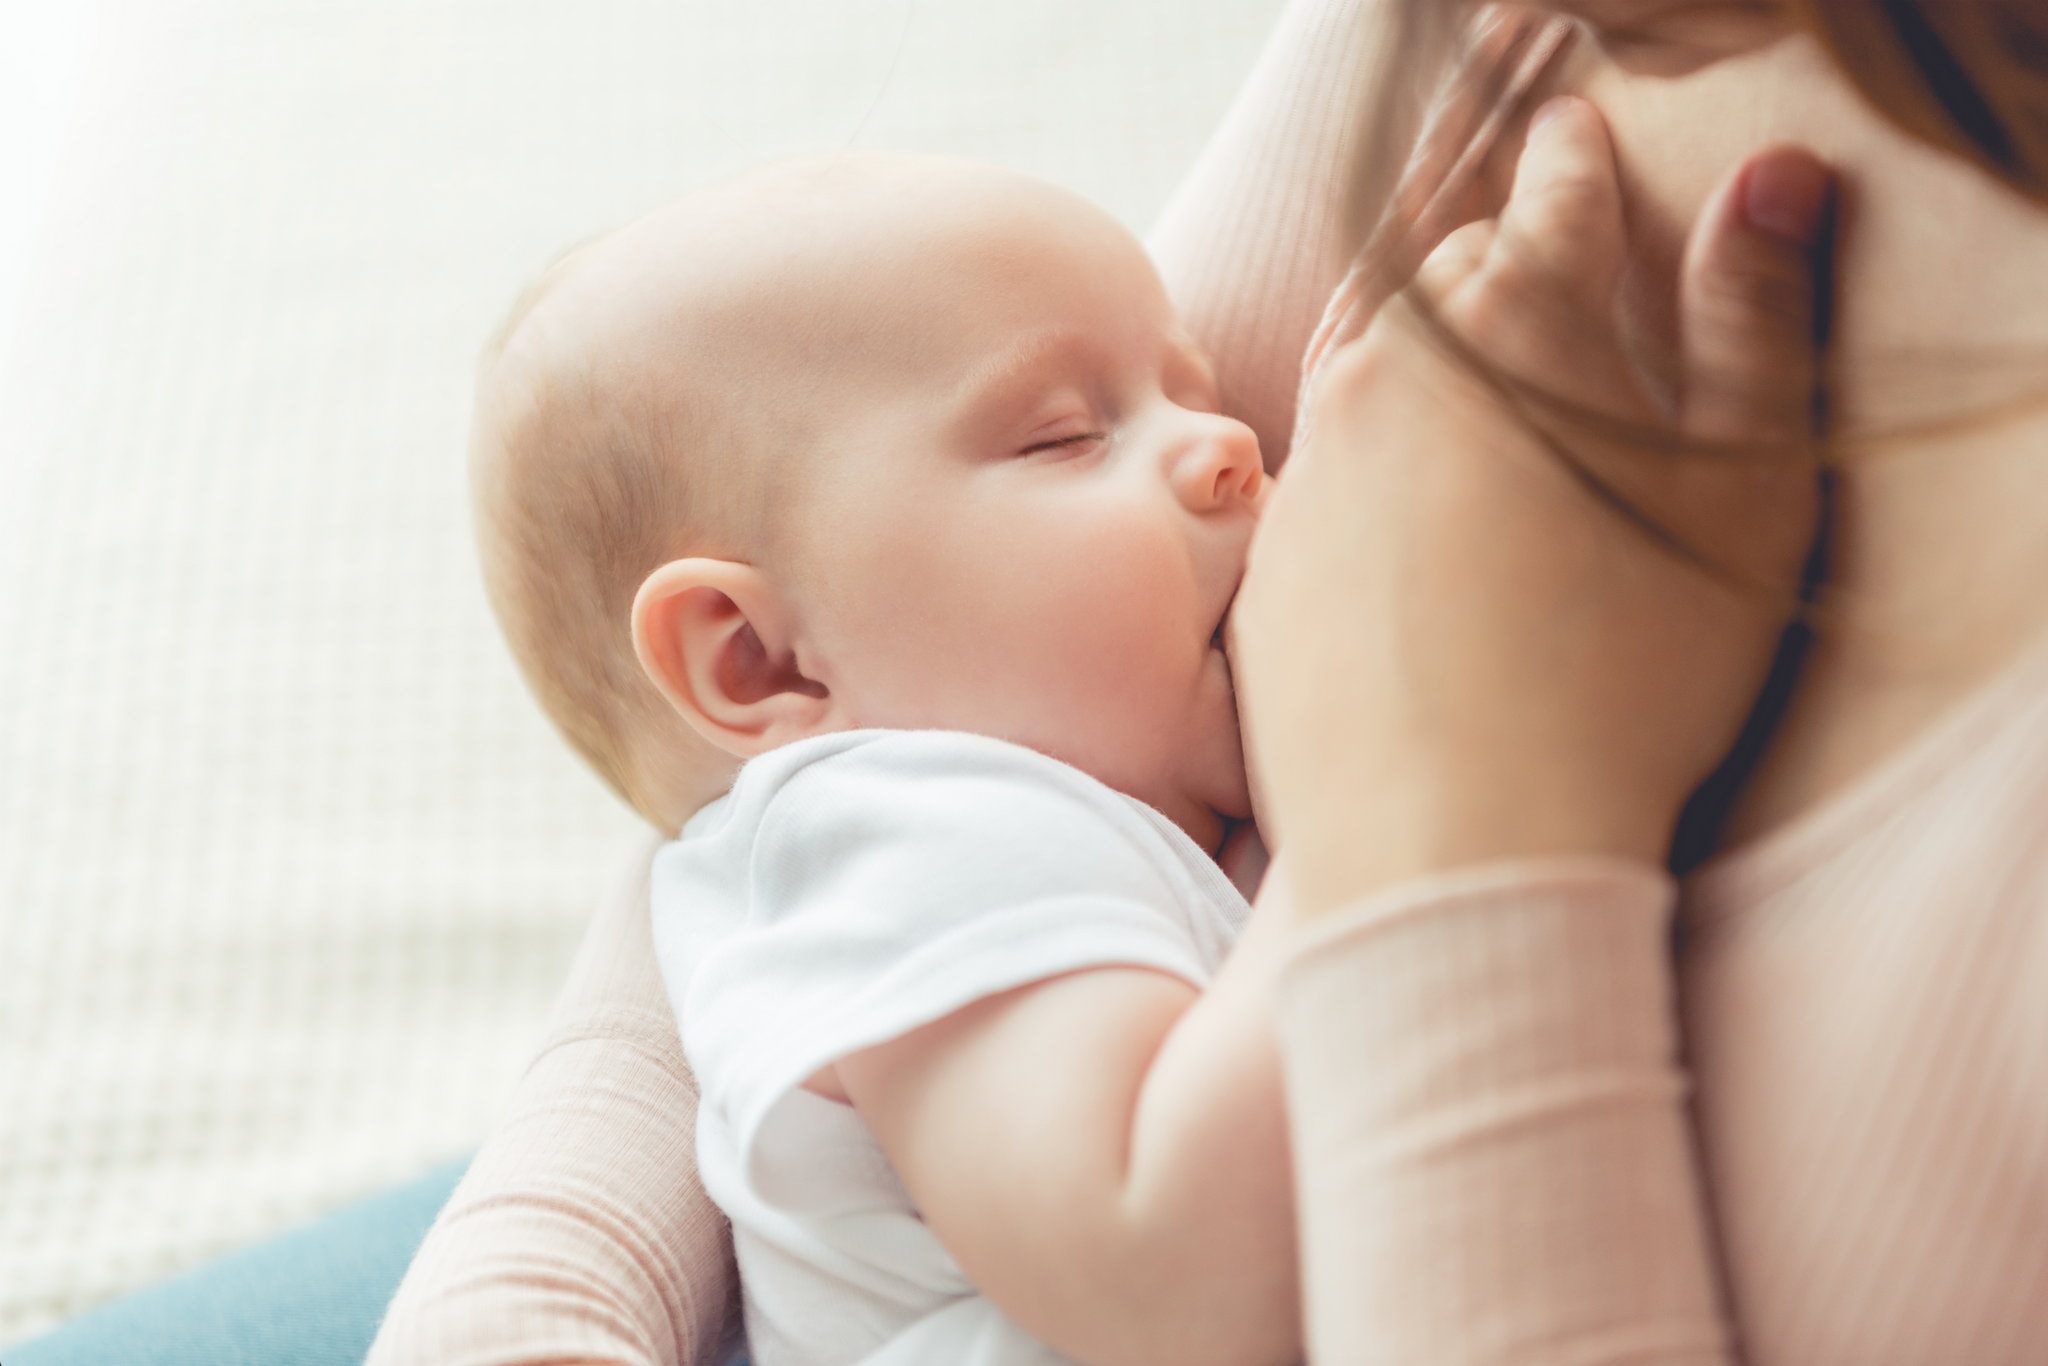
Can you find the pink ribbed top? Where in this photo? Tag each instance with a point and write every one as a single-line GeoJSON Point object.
{"type": "Point", "coordinates": [1864, 997]}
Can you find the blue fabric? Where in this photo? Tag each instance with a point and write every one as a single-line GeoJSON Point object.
{"type": "Point", "coordinates": [310, 1297]}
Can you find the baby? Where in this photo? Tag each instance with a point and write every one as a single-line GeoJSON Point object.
{"type": "Point", "coordinates": [896, 480]}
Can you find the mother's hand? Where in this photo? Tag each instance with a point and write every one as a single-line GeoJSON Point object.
{"type": "Point", "coordinates": [1452, 645]}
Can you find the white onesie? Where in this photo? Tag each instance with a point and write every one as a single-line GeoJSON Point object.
{"type": "Point", "coordinates": [849, 889]}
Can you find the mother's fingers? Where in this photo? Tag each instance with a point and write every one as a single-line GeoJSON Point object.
{"type": "Point", "coordinates": [1541, 305]}
{"type": "Point", "coordinates": [1563, 216]}
{"type": "Point", "coordinates": [1747, 300]}
{"type": "Point", "coordinates": [1456, 258]}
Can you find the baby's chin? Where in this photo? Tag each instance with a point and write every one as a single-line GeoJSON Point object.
{"type": "Point", "coordinates": [1225, 806]}
{"type": "Point", "coordinates": [1233, 797]}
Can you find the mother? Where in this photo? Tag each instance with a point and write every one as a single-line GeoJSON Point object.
{"type": "Point", "coordinates": [1474, 778]}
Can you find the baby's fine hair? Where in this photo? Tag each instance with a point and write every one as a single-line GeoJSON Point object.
{"type": "Point", "coordinates": [575, 505]}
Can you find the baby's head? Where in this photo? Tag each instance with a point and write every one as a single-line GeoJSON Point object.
{"type": "Point", "coordinates": [877, 441]}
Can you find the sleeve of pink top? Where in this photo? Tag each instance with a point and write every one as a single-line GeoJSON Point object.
{"type": "Point", "coordinates": [580, 1233]}
{"type": "Point", "coordinates": [1252, 244]}
{"type": "Point", "coordinates": [1490, 1129]}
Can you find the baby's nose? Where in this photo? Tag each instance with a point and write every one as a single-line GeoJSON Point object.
{"type": "Point", "coordinates": [1219, 466]}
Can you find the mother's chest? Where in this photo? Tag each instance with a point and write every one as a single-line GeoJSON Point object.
{"type": "Point", "coordinates": [1869, 1047]}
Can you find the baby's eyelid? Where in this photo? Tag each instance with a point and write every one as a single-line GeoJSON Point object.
{"type": "Point", "coordinates": [1057, 442]}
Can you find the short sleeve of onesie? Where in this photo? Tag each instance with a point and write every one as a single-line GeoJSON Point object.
{"type": "Point", "coordinates": [854, 887]}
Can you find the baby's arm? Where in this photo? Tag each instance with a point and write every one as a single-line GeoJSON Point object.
{"type": "Point", "coordinates": [1105, 1154]}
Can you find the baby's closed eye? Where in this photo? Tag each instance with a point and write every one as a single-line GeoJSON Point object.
{"type": "Point", "coordinates": [1075, 441]}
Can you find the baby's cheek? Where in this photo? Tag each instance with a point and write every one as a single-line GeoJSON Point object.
{"type": "Point", "coordinates": [1129, 621]}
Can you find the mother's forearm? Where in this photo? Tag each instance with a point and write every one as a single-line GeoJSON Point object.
{"type": "Point", "coordinates": [1489, 1122]}
{"type": "Point", "coordinates": [581, 1233]}
{"type": "Point", "coordinates": [571, 1239]}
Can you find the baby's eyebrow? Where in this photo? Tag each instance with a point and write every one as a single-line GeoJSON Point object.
{"type": "Point", "coordinates": [992, 375]}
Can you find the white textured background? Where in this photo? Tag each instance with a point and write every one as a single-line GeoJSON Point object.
{"type": "Point", "coordinates": [290, 866]}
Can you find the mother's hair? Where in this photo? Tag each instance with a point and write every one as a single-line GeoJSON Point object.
{"type": "Point", "coordinates": [1968, 76]}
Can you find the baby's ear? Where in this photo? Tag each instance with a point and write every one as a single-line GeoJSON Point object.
{"type": "Point", "coordinates": [714, 637]}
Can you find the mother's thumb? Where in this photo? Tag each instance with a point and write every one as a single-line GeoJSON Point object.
{"type": "Point", "coordinates": [1749, 334]}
